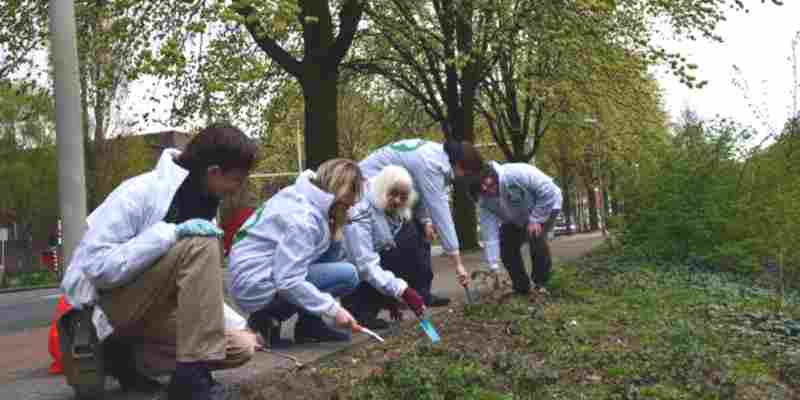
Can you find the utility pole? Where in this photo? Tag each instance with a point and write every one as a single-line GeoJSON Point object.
{"type": "Point", "coordinates": [69, 130]}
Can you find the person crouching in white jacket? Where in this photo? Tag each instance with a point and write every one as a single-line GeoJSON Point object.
{"type": "Point", "coordinates": [150, 262]}
{"type": "Point", "coordinates": [280, 264]}
{"type": "Point", "coordinates": [382, 242]}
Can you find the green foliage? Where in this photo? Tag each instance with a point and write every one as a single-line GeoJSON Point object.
{"type": "Point", "coordinates": [37, 278]}
{"type": "Point", "coordinates": [611, 327]}
{"type": "Point", "coordinates": [430, 376]}
{"type": "Point", "coordinates": [20, 34]}
{"type": "Point", "coordinates": [684, 201]}
{"type": "Point", "coordinates": [672, 331]}
{"type": "Point", "coordinates": [708, 199]}
{"type": "Point", "coordinates": [28, 178]}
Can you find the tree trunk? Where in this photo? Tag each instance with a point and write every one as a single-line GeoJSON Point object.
{"type": "Point", "coordinates": [591, 198]}
{"type": "Point", "coordinates": [567, 206]}
{"type": "Point", "coordinates": [320, 94]}
{"type": "Point", "coordinates": [604, 204]}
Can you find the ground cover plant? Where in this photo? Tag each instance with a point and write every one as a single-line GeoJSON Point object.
{"type": "Point", "coordinates": [610, 328]}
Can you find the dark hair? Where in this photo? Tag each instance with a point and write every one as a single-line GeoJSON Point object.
{"type": "Point", "coordinates": [465, 154]}
{"type": "Point", "coordinates": [219, 144]}
{"type": "Point", "coordinates": [474, 183]}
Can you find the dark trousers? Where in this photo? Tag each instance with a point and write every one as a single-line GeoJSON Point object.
{"type": "Point", "coordinates": [410, 260]}
{"type": "Point", "coordinates": [512, 237]}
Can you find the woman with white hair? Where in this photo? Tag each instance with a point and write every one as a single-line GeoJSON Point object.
{"type": "Point", "coordinates": [278, 264]}
{"type": "Point", "coordinates": [381, 241]}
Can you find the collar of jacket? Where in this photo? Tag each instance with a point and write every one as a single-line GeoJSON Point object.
{"type": "Point", "coordinates": [167, 170]}
{"type": "Point", "coordinates": [320, 199]}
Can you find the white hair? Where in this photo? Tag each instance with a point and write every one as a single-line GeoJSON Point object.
{"type": "Point", "coordinates": [389, 178]}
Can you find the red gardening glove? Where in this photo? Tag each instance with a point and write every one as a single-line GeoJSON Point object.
{"type": "Point", "coordinates": [414, 301]}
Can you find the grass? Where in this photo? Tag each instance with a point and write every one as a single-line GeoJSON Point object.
{"type": "Point", "coordinates": [614, 329]}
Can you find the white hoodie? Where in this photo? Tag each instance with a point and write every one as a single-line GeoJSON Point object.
{"type": "Point", "coordinates": [125, 235]}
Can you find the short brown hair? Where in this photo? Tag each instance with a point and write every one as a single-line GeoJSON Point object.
{"type": "Point", "coordinates": [465, 154]}
{"type": "Point", "coordinates": [219, 144]}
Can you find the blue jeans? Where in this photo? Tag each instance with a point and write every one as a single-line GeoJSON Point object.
{"type": "Point", "coordinates": [337, 278]}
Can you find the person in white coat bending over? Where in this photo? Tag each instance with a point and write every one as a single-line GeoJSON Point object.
{"type": "Point", "coordinates": [433, 167]}
{"type": "Point", "coordinates": [283, 259]}
{"type": "Point", "coordinates": [150, 262]}
{"type": "Point", "coordinates": [517, 203]}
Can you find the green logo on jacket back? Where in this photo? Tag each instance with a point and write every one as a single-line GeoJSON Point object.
{"type": "Point", "coordinates": [407, 145]}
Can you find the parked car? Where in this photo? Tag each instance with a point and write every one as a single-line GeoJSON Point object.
{"type": "Point", "coordinates": [563, 226]}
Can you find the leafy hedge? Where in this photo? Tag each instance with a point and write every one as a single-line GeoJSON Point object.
{"type": "Point", "coordinates": [704, 197]}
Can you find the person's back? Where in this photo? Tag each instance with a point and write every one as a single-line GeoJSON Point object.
{"type": "Point", "coordinates": [418, 156]}
{"type": "Point", "coordinates": [253, 250]}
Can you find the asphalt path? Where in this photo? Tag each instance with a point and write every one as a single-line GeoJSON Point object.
{"type": "Point", "coordinates": [27, 310]}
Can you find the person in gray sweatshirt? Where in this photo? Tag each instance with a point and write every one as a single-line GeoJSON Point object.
{"type": "Point", "coordinates": [517, 203]}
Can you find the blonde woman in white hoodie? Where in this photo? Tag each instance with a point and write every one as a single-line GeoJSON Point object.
{"type": "Point", "coordinates": [282, 261]}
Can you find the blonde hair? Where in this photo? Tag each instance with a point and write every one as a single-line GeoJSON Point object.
{"type": "Point", "coordinates": [339, 177]}
{"type": "Point", "coordinates": [390, 178]}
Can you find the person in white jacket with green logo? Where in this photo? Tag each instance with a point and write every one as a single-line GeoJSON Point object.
{"type": "Point", "coordinates": [517, 203]}
{"type": "Point", "coordinates": [150, 262]}
{"type": "Point", "coordinates": [285, 257]}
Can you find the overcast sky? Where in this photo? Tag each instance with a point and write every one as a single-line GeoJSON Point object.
{"type": "Point", "coordinates": [760, 45]}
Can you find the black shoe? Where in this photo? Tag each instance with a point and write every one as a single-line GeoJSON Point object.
{"type": "Point", "coordinates": [437, 301]}
{"type": "Point", "coordinates": [136, 382]}
{"type": "Point", "coordinates": [311, 329]}
{"type": "Point", "coordinates": [374, 323]}
{"type": "Point", "coordinates": [119, 362]}
{"type": "Point", "coordinates": [194, 381]}
{"type": "Point", "coordinates": [270, 331]}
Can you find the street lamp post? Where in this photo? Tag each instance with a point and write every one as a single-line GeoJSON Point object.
{"type": "Point", "coordinates": [69, 130]}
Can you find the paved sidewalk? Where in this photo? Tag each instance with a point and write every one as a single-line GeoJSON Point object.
{"type": "Point", "coordinates": [23, 370]}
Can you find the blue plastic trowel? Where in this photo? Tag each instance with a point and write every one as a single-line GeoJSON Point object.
{"type": "Point", "coordinates": [427, 326]}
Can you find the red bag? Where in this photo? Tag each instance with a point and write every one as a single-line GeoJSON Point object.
{"type": "Point", "coordinates": [232, 223]}
{"type": "Point", "coordinates": [52, 341]}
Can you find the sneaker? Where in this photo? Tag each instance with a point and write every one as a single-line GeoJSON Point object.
{"type": "Point", "coordinates": [311, 329]}
{"type": "Point", "coordinates": [193, 380]}
{"type": "Point", "coordinates": [270, 331]}
{"type": "Point", "coordinates": [119, 362]}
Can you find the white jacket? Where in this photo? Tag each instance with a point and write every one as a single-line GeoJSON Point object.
{"type": "Point", "coordinates": [525, 195]}
{"type": "Point", "coordinates": [275, 247]}
{"type": "Point", "coordinates": [125, 235]}
{"type": "Point", "coordinates": [430, 169]}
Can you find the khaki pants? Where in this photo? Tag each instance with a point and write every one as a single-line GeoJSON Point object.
{"type": "Point", "coordinates": [176, 303]}
{"type": "Point", "coordinates": [159, 358]}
